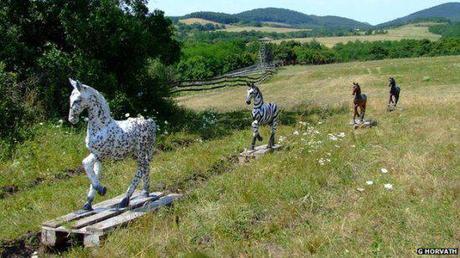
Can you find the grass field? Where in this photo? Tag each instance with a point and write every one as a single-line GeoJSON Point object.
{"type": "Point", "coordinates": [190, 21]}
{"type": "Point", "coordinates": [300, 201]}
{"type": "Point", "coordinates": [411, 31]}
{"type": "Point", "coordinates": [235, 28]}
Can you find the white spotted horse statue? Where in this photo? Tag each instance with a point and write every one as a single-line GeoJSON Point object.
{"type": "Point", "coordinates": [262, 114]}
{"type": "Point", "coordinates": [107, 138]}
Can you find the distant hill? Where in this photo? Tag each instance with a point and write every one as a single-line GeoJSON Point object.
{"type": "Point", "coordinates": [213, 16]}
{"type": "Point", "coordinates": [298, 19]}
{"type": "Point", "coordinates": [449, 11]}
{"type": "Point", "coordinates": [280, 16]}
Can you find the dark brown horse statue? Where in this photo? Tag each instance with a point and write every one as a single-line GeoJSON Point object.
{"type": "Point", "coordinates": [360, 102]}
{"type": "Point", "coordinates": [394, 94]}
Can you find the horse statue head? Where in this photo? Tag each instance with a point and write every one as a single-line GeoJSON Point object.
{"type": "Point", "coordinates": [392, 81]}
{"type": "Point", "coordinates": [252, 92]}
{"type": "Point", "coordinates": [356, 88]}
{"type": "Point", "coordinates": [79, 100]}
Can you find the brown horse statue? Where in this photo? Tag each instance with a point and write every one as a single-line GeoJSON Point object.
{"type": "Point", "coordinates": [394, 94]}
{"type": "Point", "coordinates": [360, 102]}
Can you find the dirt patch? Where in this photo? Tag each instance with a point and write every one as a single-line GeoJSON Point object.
{"type": "Point", "coordinates": [8, 190]}
{"type": "Point", "coordinates": [193, 181]}
{"type": "Point", "coordinates": [24, 246]}
{"type": "Point", "coordinates": [68, 173]}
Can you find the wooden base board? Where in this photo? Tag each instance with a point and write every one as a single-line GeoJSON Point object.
{"type": "Point", "coordinates": [259, 151]}
{"type": "Point", "coordinates": [94, 225]}
{"type": "Point", "coordinates": [366, 124]}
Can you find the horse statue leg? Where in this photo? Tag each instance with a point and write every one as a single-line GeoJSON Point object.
{"type": "Point", "coordinates": [142, 167]}
{"type": "Point", "coordinates": [255, 134]}
{"type": "Point", "coordinates": [355, 114]}
{"type": "Point", "coordinates": [363, 111]}
{"type": "Point", "coordinates": [93, 168]}
{"type": "Point", "coordinates": [273, 125]}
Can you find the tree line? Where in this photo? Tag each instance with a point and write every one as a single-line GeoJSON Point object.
{"type": "Point", "coordinates": [118, 46]}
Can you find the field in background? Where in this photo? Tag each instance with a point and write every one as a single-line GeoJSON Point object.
{"type": "Point", "coordinates": [411, 31]}
{"type": "Point", "coordinates": [235, 28]}
{"type": "Point", "coordinates": [190, 21]}
{"type": "Point", "coordinates": [300, 201]}
{"type": "Point", "coordinates": [331, 84]}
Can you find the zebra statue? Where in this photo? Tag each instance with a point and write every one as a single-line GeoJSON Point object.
{"type": "Point", "coordinates": [261, 114]}
{"type": "Point", "coordinates": [107, 138]}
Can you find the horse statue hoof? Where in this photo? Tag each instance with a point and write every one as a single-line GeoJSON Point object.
{"type": "Point", "coordinates": [259, 138]}
{"type": "Point", "coordinates": [87, 207]}
{"type": "Point", "coordinates": [124, 203]}
{"type": "Point", "coordinates": [101, 190]}
{"type": "Point", "coordinates": [145, 193]}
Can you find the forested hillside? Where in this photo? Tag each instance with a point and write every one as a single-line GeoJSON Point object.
{"type": "Point", "coordinates": [448, 11]}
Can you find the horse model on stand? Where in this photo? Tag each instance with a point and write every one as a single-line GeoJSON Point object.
{"type": "Point", "coordinates": [110, 139]}
{"type": "Point", "coordinates": [262, 114]}
{"type": "Point", "coordinates": [360, 102]}
{"type": "Point", "coordinates": [394, 94]}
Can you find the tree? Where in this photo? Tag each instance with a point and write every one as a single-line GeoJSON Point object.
{"type": "Point", "coordinates": [104, 43]}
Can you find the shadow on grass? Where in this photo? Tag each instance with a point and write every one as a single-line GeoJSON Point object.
{"type": "Point", "coordinates": [211, 124]}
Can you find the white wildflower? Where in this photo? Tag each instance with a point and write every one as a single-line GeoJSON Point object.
{"type": "Point", "coordinates": [145, 110]}
{"type": "Point", "coordinates": [166, 122]}
{"type": "Point", "coordinates": [333, 137]}
{"type": "Point", "coordinates": [337, 146]}
{"type": "Point", "coordinates": [305, 134]}
{"type": "Point", "coordinates": [86, 119]}
{"type": "Point", "coordinates": [296, 133]}
{"type": "Point", "coordinates": [384, 170]}
{"type": "Point", "coordinates": [61, 121]}
{"type": "Point", "coordinates": [320, 123]}
{"type": "Point", "coordinates": [41, 123]}
{"type": "Point", "coordinates": [388, 186]}
{"type": "Point", "coordinates": [127, 115]}
{"type": "Point", "coordinates": [370, 182]}
{"type": "Point", "coordinates": [166, 132]}
{"type": "Point", "coordinates": [341, 135]}
{"type": "Point", "coordinates": [353, 146]}
{"type": "Point", "coordinates": [360, 189]}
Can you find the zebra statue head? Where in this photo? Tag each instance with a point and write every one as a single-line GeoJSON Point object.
{"type": "Point", "coordinates": [253, 92]}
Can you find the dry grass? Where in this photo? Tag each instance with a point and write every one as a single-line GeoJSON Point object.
{"type": "Point", "coordinates": [235, 28]}
{"type": "Point", "coordinates": [330, 84]}
{"type": "Point", "coordinates": [411, 31]}
{"type": "Point", "coordinates": [190, 21]}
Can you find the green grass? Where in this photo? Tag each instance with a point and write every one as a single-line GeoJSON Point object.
{"type": "Point", "coordinates": [287, 203]}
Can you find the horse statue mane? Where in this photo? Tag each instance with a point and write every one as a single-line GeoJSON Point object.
{"type": "Point", "coordinates": [107, 138]}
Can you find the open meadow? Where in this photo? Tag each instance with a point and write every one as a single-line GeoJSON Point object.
{"type": "Point", "coordinates": [302, 200]}
{"type": "Point", "coordinates": [410, 31]}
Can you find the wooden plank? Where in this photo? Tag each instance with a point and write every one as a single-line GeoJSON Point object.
{"type": "Point", "coordinates": [55, 223]}
{"type": "Point", "coordinates": [259, 151]}
{"type": "Point", "coordinates": [110, 224]}
{"type": "Point", "coordinates": [100, 216]}
{"type": "Point", "coordinates": [51, 237]}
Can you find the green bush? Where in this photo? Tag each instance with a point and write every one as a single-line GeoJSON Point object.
{"type": "Point", "coordinates": [203, 60]}
{"type": "Point", "coordinates": [16, 110]}
{"type": "Point", "coordinates": [107, 44]}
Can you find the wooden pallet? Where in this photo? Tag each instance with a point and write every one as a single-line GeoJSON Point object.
{"type": "Point", "coordinates": [93, 226]}
{"type": "Point", "coordinates": [258, 152]}
{"type": "Point", "coordinates": [365, 124]}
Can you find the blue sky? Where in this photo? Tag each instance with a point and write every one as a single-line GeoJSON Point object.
{"type": "Point", "coordinates": [372, 11]}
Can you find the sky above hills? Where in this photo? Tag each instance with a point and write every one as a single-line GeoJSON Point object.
{"type": "Point", "coordinates": [371, 11]}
